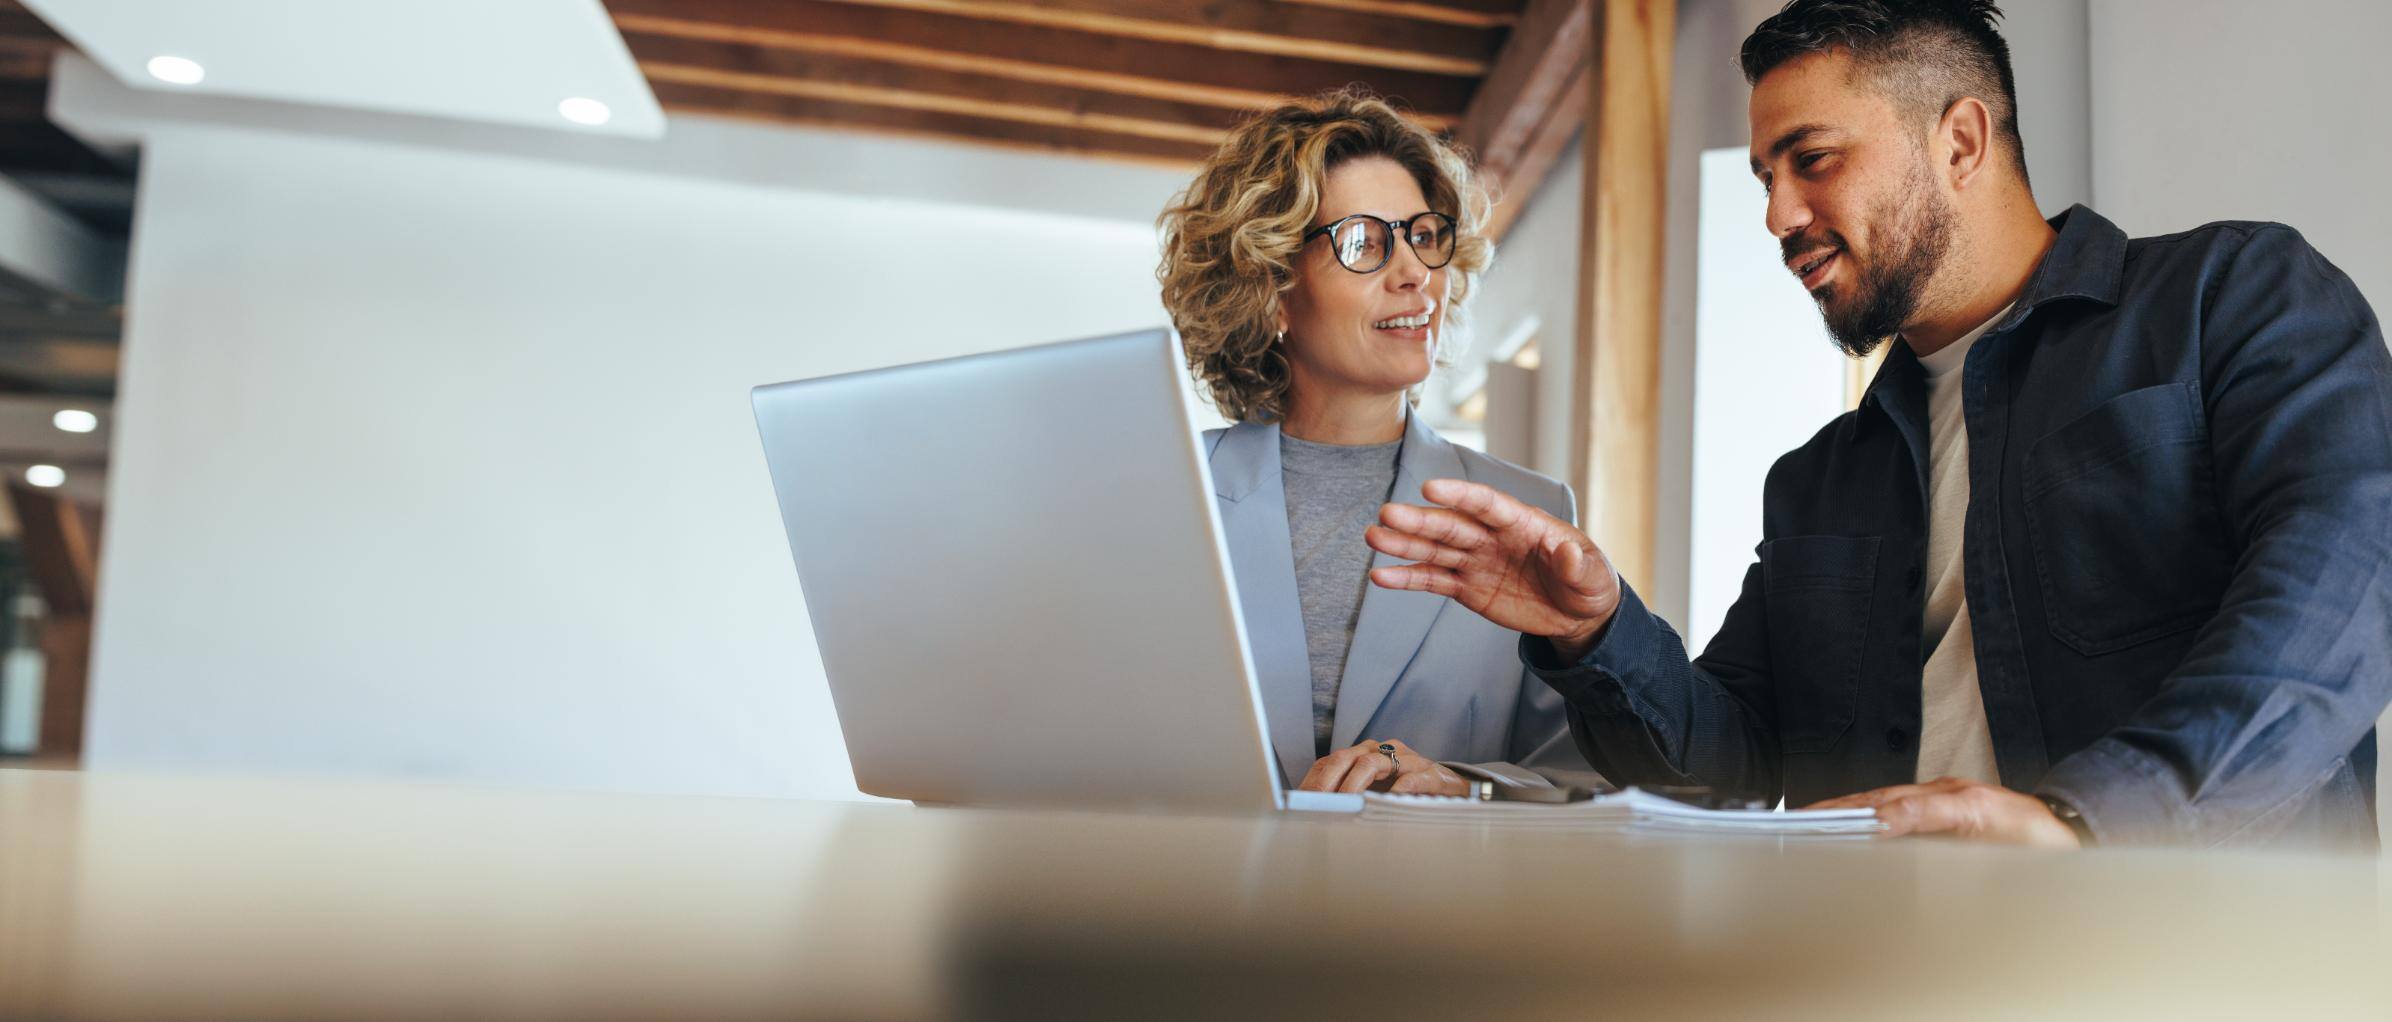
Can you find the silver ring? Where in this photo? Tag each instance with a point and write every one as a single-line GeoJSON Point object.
{"type": "Point", "coordinates": [1389, 752]}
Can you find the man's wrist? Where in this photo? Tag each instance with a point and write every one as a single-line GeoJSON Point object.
{"type": "Point", "coordinates": [1574, 645]}
{"type": "Point", "coordinates": [2067, 815]}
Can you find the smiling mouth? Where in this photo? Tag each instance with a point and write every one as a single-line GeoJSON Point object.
{"type": "Point", "coordinates": [1411, 322]}
{"type": "Point", "coordinates": [1815, 265]}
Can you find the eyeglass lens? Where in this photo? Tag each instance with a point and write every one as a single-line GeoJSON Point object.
{"type": "Point", "coordinates": [1362, 244]}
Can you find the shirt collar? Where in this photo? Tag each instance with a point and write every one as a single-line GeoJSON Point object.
{"type": "Point", "coordinates": [2087, 260]}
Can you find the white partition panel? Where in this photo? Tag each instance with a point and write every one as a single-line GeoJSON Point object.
{"type": "Point", "coordinates": [1765, 378]}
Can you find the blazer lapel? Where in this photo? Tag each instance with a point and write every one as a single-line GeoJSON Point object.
{"type": "Point", "coordinates": [1393, 622]}
{"type": "Point", "coordinates": [1253, 502]}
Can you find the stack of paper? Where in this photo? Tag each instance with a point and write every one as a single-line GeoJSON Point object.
{"type": "Point", "coordinates": [1626, 809]}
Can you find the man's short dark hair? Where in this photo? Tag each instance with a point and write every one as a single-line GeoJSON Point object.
{"type": "Point", "coordinates": [1924, 55]}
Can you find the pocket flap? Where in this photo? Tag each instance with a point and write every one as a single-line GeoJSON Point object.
{"type": "Point", "coordinates": [1819, 562]}
{"type": "Point", "coordinates": [2135, 421]}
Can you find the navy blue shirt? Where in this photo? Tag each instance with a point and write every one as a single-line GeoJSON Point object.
{"type": "Point", "coordinates": [2178, 559]}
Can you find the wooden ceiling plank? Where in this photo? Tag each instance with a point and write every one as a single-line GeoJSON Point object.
{"type": "Point", "coordinates": [907, 99]}
{"type": "Point", "coordinates": [933, 125]}
{"type": "Point", "coordinates": [834, 76]}
{"type": "Point", "coordinates": [1254, 26]}
{"type": "Point", "coordinates": [1474, 13]}
{"type": "Point", "coordinates": [1174, 71]}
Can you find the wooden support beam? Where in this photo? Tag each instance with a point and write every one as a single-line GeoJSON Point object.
{"type": "Point", "coordinates": [61, 543]}
{"type": "Point", "coordinates": [1253, 26]}
{"type": "Point", "coordinates": [1179, 72]}
{"type": "Point", "coordinates": [937, 125]}
{"type": "Point", "coordinates": [1616, 406]}
{"type": "Point", "coordinates": [848, 79]}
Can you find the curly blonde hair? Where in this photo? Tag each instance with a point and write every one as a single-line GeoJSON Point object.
{"type": "Point", "coordinates": [1230, 240]}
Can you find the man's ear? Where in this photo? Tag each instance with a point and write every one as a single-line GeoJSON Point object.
{"type": "Point", "coordinates": [1966, 131]}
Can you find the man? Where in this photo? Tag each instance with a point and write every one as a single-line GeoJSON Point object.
{"type": "Point", "coordinates": [2105, 554]}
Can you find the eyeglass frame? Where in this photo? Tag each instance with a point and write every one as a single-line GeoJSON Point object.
{"type": "Point", "coordinates": [1400, 228]}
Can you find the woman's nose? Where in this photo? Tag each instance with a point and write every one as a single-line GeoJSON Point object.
{"type": "Point", "coordinates": [1409, 270]}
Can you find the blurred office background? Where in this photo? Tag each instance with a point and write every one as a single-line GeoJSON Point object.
{"type": "Point", "coordinates": [373, 377]}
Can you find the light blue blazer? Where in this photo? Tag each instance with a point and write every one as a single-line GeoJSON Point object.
{"type": "Point", "coordinates": [1437, 676]}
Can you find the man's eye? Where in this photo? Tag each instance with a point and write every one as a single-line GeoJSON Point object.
{"type": "Point", "coordinates": [1808, 159]}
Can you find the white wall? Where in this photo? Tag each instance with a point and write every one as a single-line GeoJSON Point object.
{"type": "Point", "coordinates": [2223, 110]}
{"type": "Point", "coordinates": [439, 463]}
{"type": "Point", "coordinates": [1535, 278]}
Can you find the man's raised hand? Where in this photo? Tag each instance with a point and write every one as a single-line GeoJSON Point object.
{"type": "Point", "coordinates": [1508, 562]}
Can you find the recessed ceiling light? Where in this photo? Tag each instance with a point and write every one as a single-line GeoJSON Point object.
{"type": "Point", "coordinates": [75, 420]}
{"type": "Point", "coordinates": [45, 476]}
{"type": "Point", "coordinates": [176, 70]}
{"type": "Point", "coordinates": [584, 110]}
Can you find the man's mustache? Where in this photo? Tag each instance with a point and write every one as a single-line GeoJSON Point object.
{"type": "Point", "coordinates": [1788, 248]}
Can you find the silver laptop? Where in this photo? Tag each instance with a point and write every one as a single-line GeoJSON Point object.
{"type": "Point", "coordinates": [1014, 567]}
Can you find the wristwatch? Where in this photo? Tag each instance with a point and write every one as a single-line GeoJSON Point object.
{"type": "Point", "coordinates": [2067, 814]}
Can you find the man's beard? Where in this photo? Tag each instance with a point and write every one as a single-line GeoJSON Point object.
{"type": "Point", "coordinates": [1912, 237]}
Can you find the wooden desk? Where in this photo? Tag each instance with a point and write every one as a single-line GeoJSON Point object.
{"type": "Point", "coordinates": [186, 898]}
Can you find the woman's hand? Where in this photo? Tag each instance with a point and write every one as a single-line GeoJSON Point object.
{"type": "Point", "coordinates": [1368, 767]}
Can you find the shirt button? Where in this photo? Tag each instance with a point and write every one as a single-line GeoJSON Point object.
{"type": "Point", "coordinates": [1896, 739]}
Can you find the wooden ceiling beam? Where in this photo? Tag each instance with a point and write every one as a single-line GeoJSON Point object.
{"type": "Point", "coordinates": [1081, 60]}
{"type": "Point", "coordinates": [23, 24]}
{"type": "Point", "coordinates": [1535, 160]}
{"type": "Point", "coordinates": [1532, 101]}
{"type": "Point", "coordinates": [938, 125]}
{"type": "Point", "coordinates": [23, 58]}
{"type": "Point", "coordinates": [836, 77]}
{"type": "Point", "coordinates": [1347, 35]}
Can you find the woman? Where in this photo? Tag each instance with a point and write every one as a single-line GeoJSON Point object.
{"type": "Point", "coordinates": [1312, 269]}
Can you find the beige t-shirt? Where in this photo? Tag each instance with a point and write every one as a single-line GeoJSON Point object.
{"type": "Point", "coordinates": [1954, 740]}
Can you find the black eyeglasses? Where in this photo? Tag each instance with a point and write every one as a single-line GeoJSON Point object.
{"type": "Point", "coordinates": [1363, 243]}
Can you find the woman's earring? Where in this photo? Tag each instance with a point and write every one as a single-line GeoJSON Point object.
{"type": "Point", "coordinates": [1281, 339]}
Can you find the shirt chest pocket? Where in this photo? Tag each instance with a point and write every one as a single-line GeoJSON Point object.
{"type": "Point", "coordinates": [2122, 514]}
{"type": "Point", "coordinates": [1819, 591]}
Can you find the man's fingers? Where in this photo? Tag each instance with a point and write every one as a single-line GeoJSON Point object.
{"type": "Point", "coordinates": [1478, 500]}
{"type": "Point", "coordinates": [1928, 812]}
{"type": "Point", "coordinates": [1872, 799]}
{"type": "Point", "coordinates": [1437, 525]}
{"type": "Point", "coordinates": [1424, 578]}
{"type": "Point", "coordinates": [1412, 548]}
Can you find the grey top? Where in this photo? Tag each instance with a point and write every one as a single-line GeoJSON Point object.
{"type": "Point", "coordinates": [1333, 493]}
